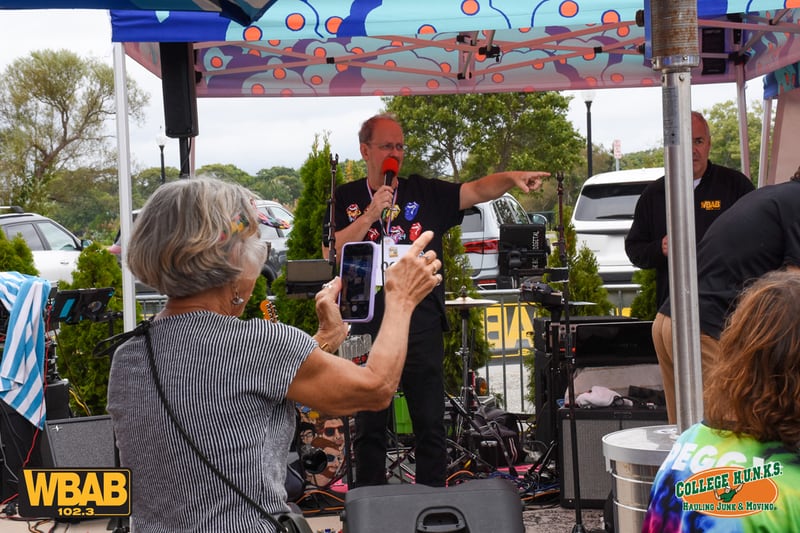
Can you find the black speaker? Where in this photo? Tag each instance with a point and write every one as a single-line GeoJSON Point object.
{"type": "Point", "coordinates": [16, 439]}
{"type": "Point", "coordinates": [477, 506]}
{"type": "Point", "coordinates": [178, 83]}
{"type": "Point", "coordinates": [83, 442]}
{"type": "Point", "coordinates": [591, 425]}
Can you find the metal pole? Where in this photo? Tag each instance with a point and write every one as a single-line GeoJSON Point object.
{"type": "Point", "coordinates": [675, 52]}
{"type": "Point", "coordinates": [589, 138]}
{"type": "Point", "coordinates": [163, 170]}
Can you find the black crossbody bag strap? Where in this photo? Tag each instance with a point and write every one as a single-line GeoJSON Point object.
{"type": "Point", "coordinates": [285, 522]}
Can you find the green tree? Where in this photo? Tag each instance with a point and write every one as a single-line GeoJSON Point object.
{"type": "Point", "coordinates": [92, 214]}
{"type": "Point", "coordinates": [281, 184]}
{"type": "Point", "coordinates": [643, 305]}
{"type": "Point", "coordinates": [305, 240]}
{"type": "Point", "coordinates": [228, 172]}
{"type": "Point", "coordinates": [15, 256]}
{"type": "Point", "coordinates": [54, 111]}
{"type": "Point", "coordinates": [87, 374]}
{"type": "Point", "coordinates": [723, 122]}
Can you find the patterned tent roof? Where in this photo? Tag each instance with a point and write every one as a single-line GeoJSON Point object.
{"type": "Point", "coordinates": [393, 47]}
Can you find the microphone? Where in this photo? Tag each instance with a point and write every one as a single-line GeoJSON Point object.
{"type": "Point", "coordinates": [389, 169]}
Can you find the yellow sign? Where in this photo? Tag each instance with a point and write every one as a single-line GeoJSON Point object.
{"type": "Point", "coordinates": [508, 327]}
{"type": "Point", "coordinates": [75, 493]}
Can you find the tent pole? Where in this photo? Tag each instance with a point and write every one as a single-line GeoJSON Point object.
{"type": "Point", "coordinates": [124, 178]}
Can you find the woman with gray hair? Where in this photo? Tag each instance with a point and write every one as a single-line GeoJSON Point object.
{"type": "Point", "coordinates": [203, 402]}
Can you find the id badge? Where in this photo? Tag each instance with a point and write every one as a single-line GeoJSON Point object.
{"type": "Point", "coordinates": [392, 252]}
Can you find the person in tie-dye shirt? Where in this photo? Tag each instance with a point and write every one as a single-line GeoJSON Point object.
{"type": "Point", "coordinates": [739, 469]}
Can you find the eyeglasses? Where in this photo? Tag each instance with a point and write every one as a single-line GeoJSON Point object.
{"type": "Point", "coordinates": [329, 431]}
{"type": "Point", "coordinates": [388, 147]}
{"type": "Point", "coordinates": [332, 458]}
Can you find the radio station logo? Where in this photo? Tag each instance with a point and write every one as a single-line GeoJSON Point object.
{"type": "Point", "coordinates": [75, 493]}
{"type": "Point", "coordinates": [731, 491]}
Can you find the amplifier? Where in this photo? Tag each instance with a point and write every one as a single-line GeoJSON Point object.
{"type": "Point", "coordinates": [591, 425]}
{"type": "Point", "coordinates": [548, 336]}
{"type": "Point", "coordinates": [599, 341]}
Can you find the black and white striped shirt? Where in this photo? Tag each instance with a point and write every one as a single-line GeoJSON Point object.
{"type": "Point", "coordinates": [226, 380]}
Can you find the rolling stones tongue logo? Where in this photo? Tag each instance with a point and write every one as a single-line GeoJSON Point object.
{"type": "Point", "coordinates": [410, 211]}
{"type": "Point", "coordinates": [415, 231]}
{"type": "Point", "coordinates": [373, 235]}
{"type": "Point", "coordinates": [397, 234]}
{"type": "Point", "coordinates": [353, 212]}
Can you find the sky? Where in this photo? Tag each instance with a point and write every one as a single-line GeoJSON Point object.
{"type": "Point", "coordinates": [256, 133]}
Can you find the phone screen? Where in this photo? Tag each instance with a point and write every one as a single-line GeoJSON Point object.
{"type": "Point", "coordinates": [356, 300]}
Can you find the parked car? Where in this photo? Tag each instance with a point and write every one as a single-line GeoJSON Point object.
{"type": "Point", "coordinates": [276, 225]}
{"type": "Point", "coordinates": [480, 235]}
{"type": "Point", "coordinates": [55, 249]}
{"type": "Point", "coordinates": [603, 216]}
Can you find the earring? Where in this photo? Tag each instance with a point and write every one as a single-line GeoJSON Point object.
{"type": "Point", "coordinates": [237, 300]}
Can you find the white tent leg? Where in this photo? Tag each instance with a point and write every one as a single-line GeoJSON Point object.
{"type": "Point", "coordinates": [744, 137]}
{"type": "Point", "coordinates": [124, 177]}
{"type": "Point", "coordinates": [763, 155]}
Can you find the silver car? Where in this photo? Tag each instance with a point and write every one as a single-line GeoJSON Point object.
{"type": "Point", "coordinates": [276, 225]}
{"type": "Point", "coordinates": [55, 250]}
{"type": "Point", "coordinates": [480, 235]}
{"type": "Point", "coordinates": [603, 216]}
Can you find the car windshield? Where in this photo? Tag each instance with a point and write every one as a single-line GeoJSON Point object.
{"type": "Point", "coordinates": [613, 201]}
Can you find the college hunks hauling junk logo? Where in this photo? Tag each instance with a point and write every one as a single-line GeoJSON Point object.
{"type": "Point", "coordinates": [731, 491]}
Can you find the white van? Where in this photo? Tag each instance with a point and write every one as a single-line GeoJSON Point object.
{"type": "Point", "coordinates": [603, 216]}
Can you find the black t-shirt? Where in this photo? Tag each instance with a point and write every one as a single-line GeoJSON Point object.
{"type": "Point", "coordinates": [420, 205]}
{"type": "Point", "coordinates": [760, 233]}
{"type": "Point", "coordinates": [719, 188]}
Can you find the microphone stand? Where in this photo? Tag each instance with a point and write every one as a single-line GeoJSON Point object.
{"type": "Point", "coordinates": [331, 228]}
{"type": "Point", "coordinates": [570, 358]}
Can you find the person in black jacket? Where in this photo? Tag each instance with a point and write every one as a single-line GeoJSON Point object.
{"type": "Point", "coordinates": [716, 188]}
{"type": "Point", "coordinates": [759, 234]}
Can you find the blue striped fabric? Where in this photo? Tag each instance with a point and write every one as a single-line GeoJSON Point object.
{"type": "Point", "coordinates": [22, 367]}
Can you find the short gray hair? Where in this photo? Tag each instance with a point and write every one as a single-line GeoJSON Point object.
{"type": "Point", "coordinates": [195, 234]}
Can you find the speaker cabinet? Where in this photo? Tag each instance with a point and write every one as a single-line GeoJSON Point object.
{"type": "Point", "coordinates": [478, 506]}
{"type": "Point", "coordinates": [591, 425]}
{"type": "Point", "coordinates": [86, 442]}
{"type": "Point", "coordinates": [178, 83]}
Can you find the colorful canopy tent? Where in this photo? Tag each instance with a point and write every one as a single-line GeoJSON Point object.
{"type": "Point", "coordinates": [397, 47]}
{"type": "Point", "coordinates": [410, 47]}
{"type": "Point", "coordinates": [243, 11]}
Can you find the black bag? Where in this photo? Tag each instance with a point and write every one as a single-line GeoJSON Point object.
{"type": "Point", "coordinates": [499, 439]}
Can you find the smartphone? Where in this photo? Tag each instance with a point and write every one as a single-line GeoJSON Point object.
{"type": "Point", "coordinates": [357, 270]}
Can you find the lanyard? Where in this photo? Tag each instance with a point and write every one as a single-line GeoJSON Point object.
{"type": "Point", "coordinates": [387, 229]}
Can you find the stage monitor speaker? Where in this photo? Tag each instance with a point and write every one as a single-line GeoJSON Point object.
{"type": "Point", "coordinates": [178, 84]}
{"type": "Point", "coordinates": [82, 442]}
{"type": "Point", "coordinates": [476, 506]}
{"type": "Point", "coordinates": [591, 425]}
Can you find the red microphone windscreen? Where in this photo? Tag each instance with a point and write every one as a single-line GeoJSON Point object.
{"type": "Point", "coordinates": [390, 164]}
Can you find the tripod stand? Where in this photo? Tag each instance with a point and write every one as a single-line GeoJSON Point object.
{"type": "Point", "coordinates": [467, 406]}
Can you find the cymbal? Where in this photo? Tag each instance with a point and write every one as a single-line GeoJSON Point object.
{"type": "Point", "coordinates": [465, 302]}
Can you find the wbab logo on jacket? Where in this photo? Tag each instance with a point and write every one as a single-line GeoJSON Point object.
{"type": "Point", "coordinates": [75, 493]}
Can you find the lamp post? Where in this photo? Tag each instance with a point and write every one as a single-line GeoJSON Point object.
{"type": "Point", "coordinates": [161, 140]}
{"type": "Point", "coordinates": [588, 96]}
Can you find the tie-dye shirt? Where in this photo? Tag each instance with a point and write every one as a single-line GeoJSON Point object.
{"type": "Point", "coordinates": [718, 482]}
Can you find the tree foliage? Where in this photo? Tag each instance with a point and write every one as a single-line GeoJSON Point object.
{"type": "Point", "coordinates": [723, 122]}
{"type": "Point", "coordinates": [54, 111]}
{"type": "Point", "coordinates": [87, 374]}
{"type": "Point", "coordinates": [305, 240]}
{"type": "Point", "coordinates": [643, 305]}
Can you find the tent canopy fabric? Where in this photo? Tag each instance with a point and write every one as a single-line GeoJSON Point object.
{"type": "Point", "coordinates": [242, 11]}
{"type": "Point", "coordinates": [400, 47]}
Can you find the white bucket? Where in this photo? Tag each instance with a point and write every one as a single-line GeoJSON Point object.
{"type": "Point", "coordinates": [633, 457]}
